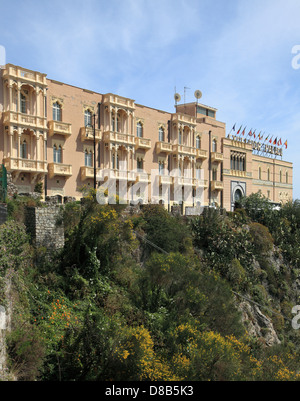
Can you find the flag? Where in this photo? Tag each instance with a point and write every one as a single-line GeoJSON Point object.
{"type": "Point", "coordinates": [243, 133]}
{"type": "Point", "coordinates": [233, 128]}
{"type": "Point", "coordinates": [254, 134]}
{"type": "Point", "coordinates": [250, 132]}
{"type": "Point", "coordinates": [275, 141]}
{"type": "Point", "coordinates": [285, 144]}
{"type": "Point", "coordinates": [260, 137]}
{"type": "Point", "coordinates": [239, 130]}
{"type": "Point", "coordinates": [279, 143]}
{"type": "Point", "coordinates": [270, 141]}
{"type": "Point", "coordinates": [267, 137]}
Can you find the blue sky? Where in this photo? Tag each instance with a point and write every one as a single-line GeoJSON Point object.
{"type": "Point", "coordinates": [237, 52]}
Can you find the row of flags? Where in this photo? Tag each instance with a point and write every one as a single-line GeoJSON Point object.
{"type": "Point", "coordinates": [260, 137]}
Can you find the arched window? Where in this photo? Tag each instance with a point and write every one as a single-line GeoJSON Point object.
{"type": "Point", "coordinates": [23, 150]}
{"type": "Point", "coordinates": [198, 142]}
{"type": "Point", "coordinates": [214, 145]}
{"type": "Point", "coordinates": [287, 177]}
{"type": "Point", "coordinates": [88, 158]}
{"type": "Point", "coordinates": [139, 130]}
{"type": "Point", "coordinates": [23, 105]}
{"type": "Point", "coordinates": [238, 195]}
{"type": "Point", "coordinates": [161, 134]}
{"type": "Point", "coordinates": [56, 111]}
{"type": "Point", "coordinates": [180, 137]}
{"type": "Point", "coordinates": [269, 176]}
{"type": "Point", "coordinates": [87, 118]}
{"type": "Point", "coordinates": [57, 154]}
{"type": "Point", "coordinates": [161, 166]}
{"type": "Point", "coordinates": [259, 173]}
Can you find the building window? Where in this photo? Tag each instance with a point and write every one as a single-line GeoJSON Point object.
{"type": "Point", "coordinates": [139, 130]}
{"type": "Point", "coordinates": [23, 105]}
{"type": "Point", "coordinates": [179, 137]}
{"type": "Point", "coordinates": [214, 145]}
{"type": "Point", "coordinates": [139, 163]}
{"type": "Point", "coordinates": [269, 176]}
{"type": "Point", "coordinates": [161, 167]}
{"type": "Point", "coordinates": [198, 142]}
{"type": "Point", "coordinates": [23, 150]}
{"type": "Point", "coordinates": [287, 177]}
{"type": "Point", "coordinates": [57, 154]}
{"type": "Point", "coordinates": [238, 161]}
{"type": "Point", "coordinates": [259, 173]}
{"type": "Point", "coordinates": [88, 158]}
{"type": "Point", "coordinates": [56, 111]}
{"type": "Point", "coordinates": [280, 176]}
{"type": "Point", "coordinates": [161, 134]}
{"type": "Point", "coordinates": [87, 118]}
{"type": "Point", "coordinates": [214, 174]}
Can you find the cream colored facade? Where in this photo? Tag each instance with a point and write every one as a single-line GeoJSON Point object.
{"type": "Point", "coordinates": [47, 134]}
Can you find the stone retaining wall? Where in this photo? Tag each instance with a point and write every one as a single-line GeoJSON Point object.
{"type": "Point", "coordinates": [41, 224]}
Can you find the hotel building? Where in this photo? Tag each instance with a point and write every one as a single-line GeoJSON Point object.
{"type": "Point", "coordinates": [58, 134]}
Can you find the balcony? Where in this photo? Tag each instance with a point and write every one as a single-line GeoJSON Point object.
{"type": "Point", "coordinates": [184, 150]}
{"type": "Point", "coordinates": [217, 186]}
{"type": "Point", "coordinates": [88, 172]}
{"type": "Point", "coordinates": [163, 147]}
{"type": "Point", "coordinates": [120, 101]}
{"type": "Point", "coordinates": [165, 179]}
{"type": "Point", "coordinates": [60, 169]}
{"type": "Point", "coordinates": [120, 175]}
{"type": "Point", "coordinates": [25, 165]}
{"type": "Point", "coordinates": [142, 143]}
{"type": "Point", "coordinates": [184, 119]}
{"type": "Point", "coordinates": [217, 157]}
{"type": "Point", "coordinates": [25, 120]}
{"type": "Point", "coordinates": [238, 173]}
{"type": "Point", "coordinates": [201, 154]}
{"type": "Point", "coordinates": [197, 182]}
{"type": "Point", "coordinates": [117, 137]}
{"type": "Point", "coordinates": [87, 134]}
{"type": "Point", "coordinates": [24, 74]}
{"type": "Point", "coordinates": [184, 181]}
{"type": "Point", "coordinates": [143, 177]}
{"type": "Point", "coordinates": [60, 128]}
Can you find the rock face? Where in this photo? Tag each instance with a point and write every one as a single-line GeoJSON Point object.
{"type": "Point", "coordinates": [258, 325]}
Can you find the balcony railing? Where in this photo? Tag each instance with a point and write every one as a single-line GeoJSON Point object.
{"type": "Point", "coordinates": [163, 147]}
{"type": "Point", "coordinates": [26, 165]}
{"type": "Point", "coordinates": [88, 172]}
{"type": "Point", "coordinates": [60, 128]}
{"type": "Point", "coordinates": [27, 120]}
{"type": "Point", "coordinates": [217, 186]}
{"type": "Point", "coordinates": [87, 134]}
{"type": "Point", "coordinates": [183, 149]}
{"type": "Point", "coordinates": [143, 177]}
{"type": "Point", "coordinates": [184, 181]}
{"type": "Point", "coordinates": [197, 182]}
{"type": "Point", "coordinates": [142, 143]}
{"type": "Point", "coordinates": [217, 157]}
{"type": "Point", "coordinates": [118, 137]}
{"type": "Point", "coordinates": [129, 176]}
{"type": "Point", "coordinates": [165, 179]}
{"type": "Point", "coordinates": [201, 154]}
{"type": "Point", "coordinates": [110, 98]}
{"type": "Point", "coordinates": [59, 169]}
{"type": "Point", "coordinates": [25, 75]}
